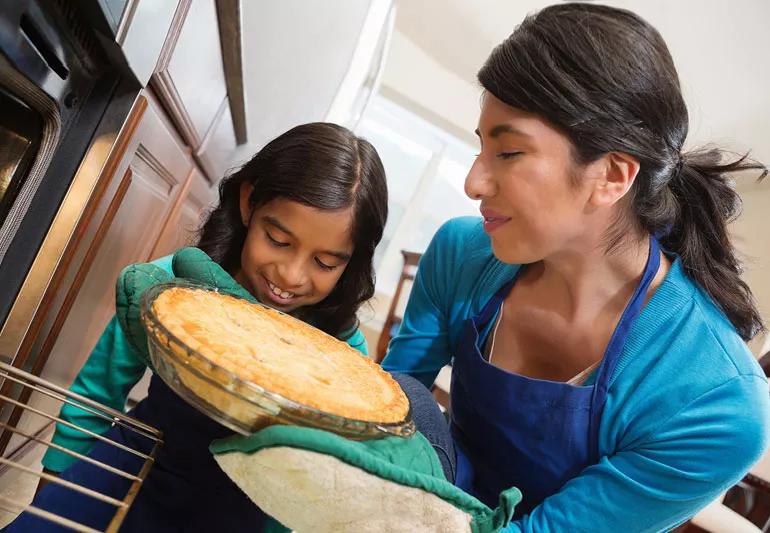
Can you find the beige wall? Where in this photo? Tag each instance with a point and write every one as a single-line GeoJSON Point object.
{"type": "Point", "coordinates": [752, 237]}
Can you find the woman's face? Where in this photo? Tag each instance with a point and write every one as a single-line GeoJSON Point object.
{"type": "Point", "coordinates": [534, 198]}
{"type": "Point", "coordinates": [294, 254]}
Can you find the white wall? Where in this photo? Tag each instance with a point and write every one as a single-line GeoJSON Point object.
{"type": "Point", "coordinates": [416, 81]}
{"type": "Point", "coordinates": [295, 55]}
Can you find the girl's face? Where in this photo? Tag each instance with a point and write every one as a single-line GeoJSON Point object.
{"type": "Point", "coordinates": [534, 198]}
{"type": "Point", "coordinates": [294, 254]}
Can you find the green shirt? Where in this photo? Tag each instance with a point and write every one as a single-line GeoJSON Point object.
{"type": "Point", "coordinates": [109, 374]}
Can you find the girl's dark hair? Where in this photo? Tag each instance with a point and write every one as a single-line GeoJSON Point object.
{"type": "Point", "coordinates": [605, 77]}
{"type": "Point", "coordinates": [320, 165]}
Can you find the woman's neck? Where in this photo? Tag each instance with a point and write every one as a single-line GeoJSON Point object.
{"type": "Point", "coordinates": [588, 281]}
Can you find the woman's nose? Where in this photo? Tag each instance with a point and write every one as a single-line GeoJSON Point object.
{"type": "Point", "coordinates": [478, 183]}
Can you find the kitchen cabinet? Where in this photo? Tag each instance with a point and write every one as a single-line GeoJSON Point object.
{"type": "Point", "coordinates": [148, 178]}
{"type": "Point", "coordinates": [142, 31]}
{"type": "Point", "coordinates": [190, 81]}
{"type": "Point", "coordinates": [217, 147]}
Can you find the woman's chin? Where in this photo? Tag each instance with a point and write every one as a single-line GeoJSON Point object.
{"type": "Point", "coordinates": [513, 253]}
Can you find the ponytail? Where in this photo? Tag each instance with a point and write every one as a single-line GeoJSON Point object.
{"type": "Point", "coordinates": [706, 203]}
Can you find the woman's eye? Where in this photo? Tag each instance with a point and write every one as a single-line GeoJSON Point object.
{"type": "Point", "coordinates": [324, 266]}
{"type": "Point", "coordinates": [508, 155]}
{"type": "Point", "coordinates": [276, 243]}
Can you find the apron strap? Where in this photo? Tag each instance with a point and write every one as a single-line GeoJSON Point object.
{"type": "Point", "coordinates": [494, 303]}
{"type": "Point", "coordinates": [617, 342]}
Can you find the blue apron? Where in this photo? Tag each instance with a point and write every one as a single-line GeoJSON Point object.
{"type": "Point", "coordinates": [185, 490]}
{"type": "Point", "coordinates": [512, 430]}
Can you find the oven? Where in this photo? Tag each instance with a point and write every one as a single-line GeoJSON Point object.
{"type": "Point", "coordinates": [65, 91]}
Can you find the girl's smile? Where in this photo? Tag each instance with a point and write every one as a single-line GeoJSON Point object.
{"type": "Point", "coordinates": [294, 254]}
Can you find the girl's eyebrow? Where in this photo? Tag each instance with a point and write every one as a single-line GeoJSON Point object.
{"type": "Point", "coordinates": [342, 256]}
{"type": "Point", "coordinates": [274, 222]}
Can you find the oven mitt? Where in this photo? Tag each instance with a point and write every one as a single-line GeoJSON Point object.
{"type": "Point", "coordinates": [315, 480]}
{"type": "Point", "coordinates": [189, 263]}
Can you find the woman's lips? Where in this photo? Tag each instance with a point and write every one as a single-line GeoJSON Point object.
{"type": "Point", "coordinates": [493, 219]}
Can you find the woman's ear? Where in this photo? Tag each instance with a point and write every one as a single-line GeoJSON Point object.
{"type": "Point", "coordinates": [245, 205]}
{"type": "Point", "coordinates": [615, 174]}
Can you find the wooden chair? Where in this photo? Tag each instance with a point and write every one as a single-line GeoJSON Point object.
{"type": "Point", "coordinates": [392, 322]}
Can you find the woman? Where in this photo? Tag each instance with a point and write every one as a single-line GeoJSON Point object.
{"type": "Point", "coordinates": [595, 319]}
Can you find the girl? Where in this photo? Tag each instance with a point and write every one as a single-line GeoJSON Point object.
{"type": "Point", "coordinates": [296, 226]}
{"type": "Point", "coordinates": [595, 318]}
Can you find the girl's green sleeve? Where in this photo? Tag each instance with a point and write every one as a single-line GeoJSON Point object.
{"type": "Point", "coordinates": [107, 377]}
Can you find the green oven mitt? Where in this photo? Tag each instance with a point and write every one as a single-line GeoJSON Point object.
{"type": "Point", "coordinates": [314, 480]}
{"type": "Point", "coordinates": [189, 263]}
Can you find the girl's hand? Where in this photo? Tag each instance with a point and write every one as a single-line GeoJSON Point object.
{"type": "Point", "coordinates": [189, 263]}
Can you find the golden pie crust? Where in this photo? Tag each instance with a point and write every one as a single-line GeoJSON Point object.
{"type": "Point", "coordinates": [281, 354]}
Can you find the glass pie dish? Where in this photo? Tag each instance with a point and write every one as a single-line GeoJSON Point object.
{"type": "Point", "coordinates": [238, 404]}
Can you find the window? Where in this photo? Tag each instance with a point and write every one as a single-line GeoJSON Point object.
{"type": "Point", "coordinates": [426, 169]}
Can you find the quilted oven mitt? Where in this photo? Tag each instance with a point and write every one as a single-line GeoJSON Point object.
{"type": "Point", "coordinates": [314, 480]}
{"type": "Point", "coordinates": [190, 263]}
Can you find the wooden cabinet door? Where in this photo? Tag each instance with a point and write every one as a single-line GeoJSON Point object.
{"type": "Point", "coordinates": [181, 229]}
{"type": "Point", "coordinates": [147, 182]}
{"type": "Point", "coordinates": [189, 77]}
{"type": "Point", "coordinates": [218, 146]}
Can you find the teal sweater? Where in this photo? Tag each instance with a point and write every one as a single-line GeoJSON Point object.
{"type": "Point", "coordinates": [107, 377]}
{"type": "Point", "coordinates": [687, 410]}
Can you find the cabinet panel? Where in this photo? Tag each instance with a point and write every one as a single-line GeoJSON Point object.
{"type": "Point", "coordinates": [183, 223]}
{"type": "Point", "coordinates": [217, 148]}
{"type": "Point", "coordinates": [189, 77]}
{"type": "Point", "coordinates": [143, 31]}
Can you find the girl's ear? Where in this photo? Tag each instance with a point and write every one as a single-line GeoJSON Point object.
{"type": "Point", "coordinates": [245, 192]}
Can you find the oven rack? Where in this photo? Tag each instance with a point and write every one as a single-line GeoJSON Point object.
{"type": "Point", "coordinates": [24, 380]}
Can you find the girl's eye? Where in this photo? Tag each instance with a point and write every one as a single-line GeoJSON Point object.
{"type": "Point", "coordinates": [277, 244]}
{"type": "Point", "coordinates": [508, 155]}
{"type": "Point", "coordinates": [324, 266]}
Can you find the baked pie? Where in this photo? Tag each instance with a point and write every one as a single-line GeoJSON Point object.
{"type": "Point", "coordinates": [280, 354]}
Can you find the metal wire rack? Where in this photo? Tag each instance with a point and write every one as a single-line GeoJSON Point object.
{"type": "Point", "coordinates": [41, 386]}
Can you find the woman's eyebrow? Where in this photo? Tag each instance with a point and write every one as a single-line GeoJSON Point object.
{"type": "Point", "coordinates": [500, 129]}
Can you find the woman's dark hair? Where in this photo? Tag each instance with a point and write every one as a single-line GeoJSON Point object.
{"type": "Point", "coordinates": [605, 78]}
{"type": "Point", "coordinates": [323, 166]}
